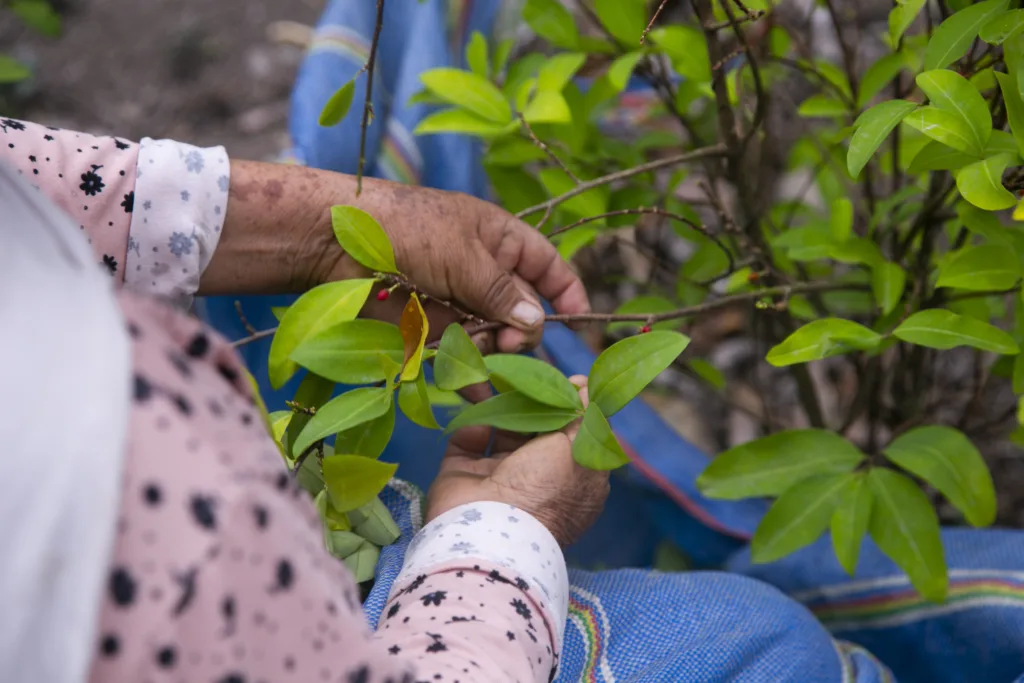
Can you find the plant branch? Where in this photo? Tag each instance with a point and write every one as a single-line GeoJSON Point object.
{"type": "Point", "coordinates": [542, 146]}
{"type": "Point", "coordinates": [368, 104]}
{"type": "Point", "coordinates": [654, 18]}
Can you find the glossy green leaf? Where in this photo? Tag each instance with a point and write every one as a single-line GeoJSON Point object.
{"type": "Point", "coordinates": [980, 269]}
{"type": "Point", "coordinates": [902, 16]}
{"type": "Point", "coordinates": [873, 127]}
{"type": "Point", "coordinates": [314, 311]}
{"type": "Point", "coordinates": [379, 526]}
{"type": "Point", "coordinates": [798, 518]}
{"type": "Point", "coordinates": [535, 379]}
{"type": "Point", "coordinates": [458, 363]}
{"type": "Point", "coordinates": [514, 412]}
{"type": "Point", "coordinates": [822, 339]}
{"type": "Point", "coordinates": [350, 352]}
{"type": "Point", "coordinates": [38, 15]}
{"type": "Point", "coordinates": [333, 519]}
{"type": "Point", "coordinates": [344, 412]}
{"type": "Point", "coordinates": [12, 71]}
{"type": "Point", "coordinates": [822, 106]}
{"type": "Point", "coordinates": [626, 367]}
{"type": "Point", "coordinates": [981, 183]}
{"type": "Point", "coordinates": [624, 19]}
{"type": "Point", "coordinates": [687, 48]}
{"type": "Point", "coordinates": [462, 122]}
{"type": "Point", "coordinates": [313, 392]}
{"type": "Point", "coordinates": [548, 107]}
{"type": "Point", "coordinates": [938, 328]}
{"type": "Point", "coordinates": [595, 446]}
{"type": "Point", "coordinates": [414, 401]}
{"type": "Point", "coordinates": [905, 527]}
{"type": "Point", "coordinates": [841, 219]}
{"type": "Point", "coordinates": [952, 92]}
{"type": "Point", "coordinates": [589, 203]}
{"type": "Point", "coordinates": [556, 73]}
{"type": "Point", "coordinates": [621, 70]}
{"type": "Point", "coordinates": [1014, 106]}
{"type": "Point", "coordinates": [983, 223]}
{"type": "Point", "coordinates": [770, 465]}
{"type": "Point", "coordinates": [649, 305]}
{"type": "Point", "coordinates": [707, 372]}
{"type": "Point", "coordinates": [502, 51]}
{"type": "Point", "coordinates": [879, 75]}
{"type": "Point", "coordinates": [1002, 27]}
{"type": "Point", "coordinates": [951, 40]}
{"type": "Point", "coordinates": [477, 58]}
{"type": "Point", "coordinates": [936, 156]}
{"type": "Point", "coordinates": [353, 481]}
{"type": "Point", "coordinates": [948, 128]}
{"type": "Point", "coordinates": [945, 458]}
{"type": "Point", "coordinates": [850, 522]}
{"type": "Point", "coordinates": [368, 439]}
{"type": "Point", "coordinates": [550, 20]}
{"type": "Point", "coordinates": [338, 105]}
{"type": "Point", "coordinates": [362, 238]}
{"type": "Point", "coordinates": [888, 281]}
{"type": "Point", "coordinates": [470, 91]}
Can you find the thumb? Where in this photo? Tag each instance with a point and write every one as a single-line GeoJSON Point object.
{"type": "Point", "coordinates": [493, 294]}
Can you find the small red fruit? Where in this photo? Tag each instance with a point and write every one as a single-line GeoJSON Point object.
{"type": "Point", "coordinates": [753, 277]}
{"type": "Point", "coordinates": [645, 329]}
{"type": "Point", "coordinates": [383, 295]}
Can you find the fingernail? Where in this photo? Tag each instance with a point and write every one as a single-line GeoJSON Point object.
{"type": "Point", "coordinates": [527, 314]}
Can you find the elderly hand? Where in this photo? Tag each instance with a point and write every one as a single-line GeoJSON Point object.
{"type": "Point", "coordinates": [537, 476]}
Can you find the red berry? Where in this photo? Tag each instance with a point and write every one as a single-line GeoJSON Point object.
{"type": "Point", "coordinates": [383, 295]}
{"type": "Point", "coordinates": [753, 277]}
{"type": "Point", "coordinates": [645, 329]}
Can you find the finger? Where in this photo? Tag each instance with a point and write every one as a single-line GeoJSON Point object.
{"type": "Point", "coordinates": [476, 393]}
{"type": "Point", "coordinates": [512, 340]}
{"type": "Point", "coordinates": [470, 441]}
{"type": "Point", "coordinates": [574, 427]}
{"type": "Point", "coordinates": [491, 292]}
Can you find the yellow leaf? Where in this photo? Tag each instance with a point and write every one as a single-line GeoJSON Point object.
{"type": "Point", "coordinates": [414, 327]}
{"type": "Point", "coordinates": [1018, 213]}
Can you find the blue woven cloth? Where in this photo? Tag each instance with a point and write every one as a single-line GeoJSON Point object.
{"type": "Point", "coordinates": [800, 619]}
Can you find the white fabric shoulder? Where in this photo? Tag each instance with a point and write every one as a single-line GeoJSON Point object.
{"type": "Point", "coordinates": [65, 390]}
{"type": "Point", "coordinates": [181, 198]}
{"type": "Point", "coordinates": [498, 533]}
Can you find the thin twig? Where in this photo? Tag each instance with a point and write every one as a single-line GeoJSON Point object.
{"type": "Point", "coordinates": [542, 146]}
{"type": "Point", "coordinates": [254, 337]}
{"type": "Point", "coordinates": [702, 153]}
{"type": "Point", "coordinates": [650, 24]}
{"type": "Point", "coordinates": [368, 104]}
{"type": "Point", "coordinates": [241, 316]}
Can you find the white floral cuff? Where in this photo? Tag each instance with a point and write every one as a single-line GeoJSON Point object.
{"type": "Point", "coordinates": [181, 196]}
{"type": "Point", "coordinates": [498, 533]}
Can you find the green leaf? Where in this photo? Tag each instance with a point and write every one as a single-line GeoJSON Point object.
{"type": "Point", "coordinates": [362, 238]}
{"type": "Point", "coordinates": [879, 75]}
{"type": "Point", "coordinates": [37, 14]}
{"type": "Point", "coordinates": [645, 305]}
{"type": "Point", "coordinates": [627, 366]}
{"type": "Point", "coordinates": [548, 107]}
{"type": "Point", "coordinates": [368, 439]}
{"type": "Point", "coordinates": [595, 446]}
{"type": "Point", "coordinates": [514, 412]}
{"type": "Point", "coordinates": [936, 156]}
{"type": "Point", "coordinates": [981, 268]}
{"type": "Point", "coordinates": [462, 122]}
{"type": "Point", "coordinates": [350, 352]}
{"type": "Point", "coordinates": [798, 517]}
{"type": "Point", "coordinates": [822, 339]}
{"type": "Point", "coordinates": [502, 51]}
{"type": "Point", "coordinates": [621, 70]}
{"type": "Point", "coordinates": [362, 563]}
{"type": "Point", "coordinates": [353, 481]}
{"type": "Point", "coordinates": [887, 283]}
{"type": "Point", "coordinates": [415, 403]}
{"type": "Point", "coordinates": [954, 36]}
{"type": "Point", "coordinates": [937, 328]}
{"type": "Point", "coordinates": [624, 19]}
{"type": "Point", "coordinates": [535, 379]}
{"type": "Point", "coordinates": [556, 73]}
{"type": "Point", "coordinates": [379, 526]}
{"type": "Point", "coordinates": [458, 363]}
{"type": "Point", "coordinates": [1014, 106]}
{"type": "Point", "coordinates": [1002, 27]}
{"type": "Point", "coordinates": [687, 48]}
{"type": "Point", "coordinates": [12, 71]}
{"type": "Point", "coordinates": [902, 16]}
{"type": "Point", "coordinates": [905, 527]}
{"type": "Point", "coordinates": [841, 219]}
{"type": "Point", "coordinates": [552, 21]}
{"type": "Point", "coordinates": [945, 458]}
{"type": "Point", "coordinates": [981, 183]}
{"type": "Point", "coordinates": [822, 106]}
{"type": "Point", "coordinates": [770, 465]}
{"type": "Point", "coordinates": [707, 372]}
{"type": "Point", "coordinates": [589, 203]}
{"type": "Point", "coordinates": [873, 127]}
{"type": "Point", "coordinates": [952, 92]}
{"type": "Point", "coordinates": [983, 223]}
{"type": "Point", "coordinates": [338, 105]}
{"type": "Point", "coordinates": [333, 519]}
{"type": "Point", "coordinates": [313, 392]}
{"type": "Point", "coordinates": [344, 412]}
{"type": "Point", "coordinates": [476, 55]}
{"type": "Point", "coordinates": [850, 522]}
{"type": "Point", "coordinates": [948, 128]}
{"type": "Point", "coordinates": [314, 311]}
{"type": "Point", "coordinates": [469, 91]}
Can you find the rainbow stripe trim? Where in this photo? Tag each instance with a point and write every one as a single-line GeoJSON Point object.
{"type": "Point", "coordinates": [459, 12]}
{"type": "Point", "coordinates": [399, 158]}
{"type": "Point", "coordinates": [588, 616]}
{"type": "Point", "coordinates": [891, 602]}
{"type": "Point", "coordinates": [342, 41]}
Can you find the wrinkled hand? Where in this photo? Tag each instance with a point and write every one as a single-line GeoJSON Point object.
{"type": "Point", "coordinates": [458, 248]}
{"type": "Point", "coordinates": [537, 476]}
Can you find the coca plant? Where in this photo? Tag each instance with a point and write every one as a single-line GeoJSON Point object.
{"type": "Point", "coordinates": [912, 251]}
